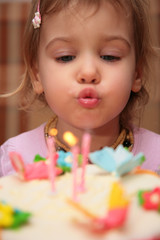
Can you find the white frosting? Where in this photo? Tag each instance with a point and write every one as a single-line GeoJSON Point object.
{"type": "Point", "coordinates": [53, 218]}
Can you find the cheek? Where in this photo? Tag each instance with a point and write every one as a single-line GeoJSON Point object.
{"type": "Point", "coordinates": [119, 82]}
{"type": "Point", "coordinates": [55, 91]}
{"type": "Point", "coordinates": [48, 79]}
{"type": "Point", "coordinates": [119, 86]}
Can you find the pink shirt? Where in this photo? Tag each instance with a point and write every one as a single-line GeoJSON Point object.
{"type": "Point", "coordinates": [30, 143]}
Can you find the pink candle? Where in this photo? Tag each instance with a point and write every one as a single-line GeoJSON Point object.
{"type": "Point", "coordinates": [52, 161]}
{"type": "Point", "coordinates": [86, 141]}
{"type": "Point", "coordinates": [75, 152]}
{"type": "Point", "coordinates": [72, 141]}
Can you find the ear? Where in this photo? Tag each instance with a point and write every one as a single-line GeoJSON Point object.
{"type": "Point", "coordinates": [36, 81]}
{"type": "Point", "coordinates": [137, 83]}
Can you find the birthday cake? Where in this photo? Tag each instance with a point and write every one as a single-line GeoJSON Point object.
{"type": "Point", "coordinates": [121, 202]}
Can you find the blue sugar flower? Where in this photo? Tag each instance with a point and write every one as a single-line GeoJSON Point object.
{"type": "Point", "coordinates": [64, 159]}
{"type": "Point", "coordinates": [120, 160]}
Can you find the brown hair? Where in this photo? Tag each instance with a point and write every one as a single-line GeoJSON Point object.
{"type": "Point", "coordinates": [139, 11]}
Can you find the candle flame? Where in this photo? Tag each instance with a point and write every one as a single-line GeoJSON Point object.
{"type": "Point", "coordinates": [70, 138]}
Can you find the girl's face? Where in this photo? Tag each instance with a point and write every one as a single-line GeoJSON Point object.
{"type": "Point", "coordinates": [86, 65]}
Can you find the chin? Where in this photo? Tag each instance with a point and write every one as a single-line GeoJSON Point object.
{"type": "Point", "coordinates": [87, 125]}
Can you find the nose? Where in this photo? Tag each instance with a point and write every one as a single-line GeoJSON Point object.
{"type": "Point", "coordinates": [89, 73]}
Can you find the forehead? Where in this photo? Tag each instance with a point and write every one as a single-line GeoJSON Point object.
{"type": "Point", "coordinates": [85, 8]}
{"type": "Point", "coordinates": [49, 6]}
{"type": "Point", "coordinates": [75, 14]}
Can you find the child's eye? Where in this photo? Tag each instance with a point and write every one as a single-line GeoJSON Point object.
{"type": "Point", "coordinates": [110, 58]}
{"type": "Point", "coordinates": [65, 59]}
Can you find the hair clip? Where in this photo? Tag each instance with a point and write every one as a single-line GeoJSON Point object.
{"type": "Point", "coordinates": [37, 19]}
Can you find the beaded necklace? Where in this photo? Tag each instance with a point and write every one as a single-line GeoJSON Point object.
{"type": "Point", "coordinates": [125, 137]}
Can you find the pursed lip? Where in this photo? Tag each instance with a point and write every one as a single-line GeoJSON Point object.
{"type": "Point", "coordinates": [88, 98]}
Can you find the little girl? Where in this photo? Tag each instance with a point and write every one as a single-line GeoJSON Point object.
{"type": "Point", "coordinates": [89, 60]}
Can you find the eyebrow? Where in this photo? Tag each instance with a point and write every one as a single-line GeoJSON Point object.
{"type": "Point", "coordinates": [105, 39]}
{"type": "Point", "coordinates": [119, 38]}
{"type": "Point", "coordinates": [61, 39]}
